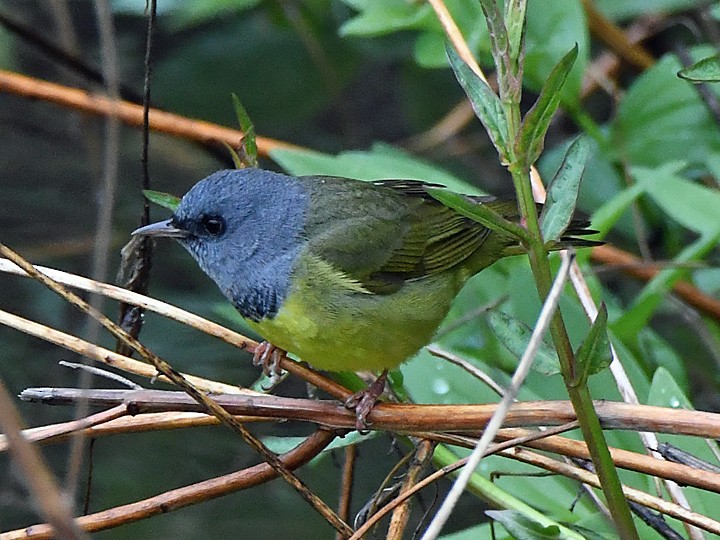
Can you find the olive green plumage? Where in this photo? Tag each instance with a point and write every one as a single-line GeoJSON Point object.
{"type": "Point", "coordinates": [348, 275]}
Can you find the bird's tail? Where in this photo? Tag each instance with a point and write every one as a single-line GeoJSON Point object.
{"type": "Point", "coordinates": [578, 227]}
{"type": "Point", "coordinates": [571, 238]}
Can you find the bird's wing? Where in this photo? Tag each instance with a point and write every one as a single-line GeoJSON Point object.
{"type": "Point", "coordinates": [382, 234]}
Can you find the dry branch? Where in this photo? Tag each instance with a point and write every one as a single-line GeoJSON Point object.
{"type": "Point", "coordinates": [185, 496]}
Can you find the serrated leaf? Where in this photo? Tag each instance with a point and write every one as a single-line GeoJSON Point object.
{"type": "Point", "coordinates": [486, 104]}
{"type": "Point", "coordinates": [706, 70]}
{"type": "Point", "coordinates": [594, 355]}
{"type": "Point", "coordinates": [515, 336]}
{"type": "Point", "coordinates": [531, 139]}
{"type": "Point", "coordinates": [523, 528]}
{"type": "Point", "coordinates": [563, 190]}
{"type": "Point", "coordinates": [171, 202]}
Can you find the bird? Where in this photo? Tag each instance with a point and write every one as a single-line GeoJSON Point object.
{"type": "Point", "coordinates": [348, 275]}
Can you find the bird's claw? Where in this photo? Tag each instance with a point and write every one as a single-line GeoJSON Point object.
{"type": "Point", "coordinates": [362, 402]}
{"type": "Point", "coordinates": [268, 356]}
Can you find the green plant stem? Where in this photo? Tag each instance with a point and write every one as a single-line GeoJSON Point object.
{"type": "Point", "coordinates": [577, 389]}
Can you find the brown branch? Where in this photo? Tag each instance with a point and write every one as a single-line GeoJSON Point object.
{"type": "Point", "coordinates": [677, 472]}
{"type": "Point", "coordinates": [493, 449]}
{"type": "Point", "coordinates": [45, 490]}
{"type": "Point", "coordinates": [198, 130]}
{"type": "Point", "coordinates": [346, 485]}
{"type": "Point", "coordinates": [634, 495]}
{"type": "Point", "coordinates": [55, 433]}
{"type": "Point", "coordinates": [401, 514]}
{"type": "Point", "coordinates": [195, 493]}
{"type": "Point", "coordinates": [682, 474]}
{"type": "Point", "coordinates": [62, 431]}
{"type": "Point", "coordinates": [167, 310]}
{"type": "Point", "coordinates": [634, 266]}
{"type": "Point", "coordinates": [205, 402]}
{"type": "Point", "coordinates": [402, 417]}
{"type": "Point", "coordinates": [614, 37]}
{"type": "Point", "coordinates": [129, 113]}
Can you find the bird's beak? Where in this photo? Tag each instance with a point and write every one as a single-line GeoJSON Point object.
{"type": "Point", "coordinates": [161, 229]}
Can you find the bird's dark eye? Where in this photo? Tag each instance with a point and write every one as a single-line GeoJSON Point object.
{"type": "Point", "coordinates": [213, 225]}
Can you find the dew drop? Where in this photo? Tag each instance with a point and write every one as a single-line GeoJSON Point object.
{"type": "Point", "coordinates": [440, 386]}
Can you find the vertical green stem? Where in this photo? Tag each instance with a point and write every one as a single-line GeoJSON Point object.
{"type": "Point", "coordinates": [578, 393]}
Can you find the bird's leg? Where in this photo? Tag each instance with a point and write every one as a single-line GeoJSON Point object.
{"type": "Point", "coordinates": [268, 356]}
{"type": "Point", "coordinates": [364, 400]}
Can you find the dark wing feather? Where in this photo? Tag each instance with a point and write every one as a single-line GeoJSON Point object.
{"type": "Point", "coordinates": [388, 232]}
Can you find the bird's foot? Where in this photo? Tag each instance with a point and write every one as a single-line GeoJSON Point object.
{"type": "Point", "coordinates": [364, 401]}
{"type": "Point", "coordinates": [268, 356]}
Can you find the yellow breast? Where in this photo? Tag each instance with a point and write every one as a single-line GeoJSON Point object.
{"type": "Point", "coordinates": [332, 322]}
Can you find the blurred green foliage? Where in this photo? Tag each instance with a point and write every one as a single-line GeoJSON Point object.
{"type": "Point", "coordinates": [354, 82]}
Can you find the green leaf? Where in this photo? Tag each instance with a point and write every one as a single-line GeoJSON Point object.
{"type": "Point", "coordinates": [661, 118]}
{"type": "Point", "coordinates": [234, 156]}
{"type": "Point", "coordinates": [171, 202]}
{"type": "Point", "coordinates": [531, 139]}
{"type": "Point", "coordinates": [563, 190]}
{"type": "Point", "coordinates": [706, 70]}
{"type": "Point", "coordinates": [429, 48]}
{"type": "Point", "coordinates": [249, 146]}
{"type": "Point", "coordinates": [515, 336]}
{"type": "Point", "coordinates": [594, 355]}
{"type": "Point", "coordinates": [665, 392]}
{"type": "Point", "coordinates": [379, 17]}
{"type": "Point", "coordinates": [476, 211]}
{"type": "Point", "coordinates": [552, 28]}
{"type": "Point", "coordinates": [281, 445]}
{"type": "Point", "coordinates": [650, 298]}
{"type": "Point", "coordinates": [522, 527]}
{"type": "Point", "coordinates": [484, 101]}
{"type": "Point", "coordinates": [609, 213]}
{"type": "Point", "coordinates": [692, 205]}
{"type": "Point", "coordinates": [631, 9]}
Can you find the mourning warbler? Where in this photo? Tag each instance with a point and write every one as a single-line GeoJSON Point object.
{"type": "Point", "coordinates": [346, 274]}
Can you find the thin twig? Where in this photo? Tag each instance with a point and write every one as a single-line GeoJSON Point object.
{"type": "Point", "coordinates": [456, 37]}
{"type": "Point", "coordinates": [207, 403]}
{"type": "Point", "coordinates": [421, 459]}
{"type": "Point", "coordinates": [436, 350]}
{"type": "Point", "coordinates": [346, 484]}
{"type": "Point", "coordinates": [185, 496]}
{"type": "Point", "coordinates": [546, 314]}
{"type": "Point", "coordinates": [46, 493]}
{"type": "Point", "coordinates": [361, 531]}
{"type": "Point", "coordinates": [102, 373]}
{"type": "Point", "coordinates": [403, 417]}
{"type": "Point", "coordinates": [62, 430]}
{"type": "Point", "coordinates": [615, 38]}
{"type": "Point", "coordinates": [172, 312]}
{"type": "Point", "coordinates": [633, 266]}
{"type": "Point", "coordinates": [107, 356]}
{"type": "Point", "coordinates": [129, 113]}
